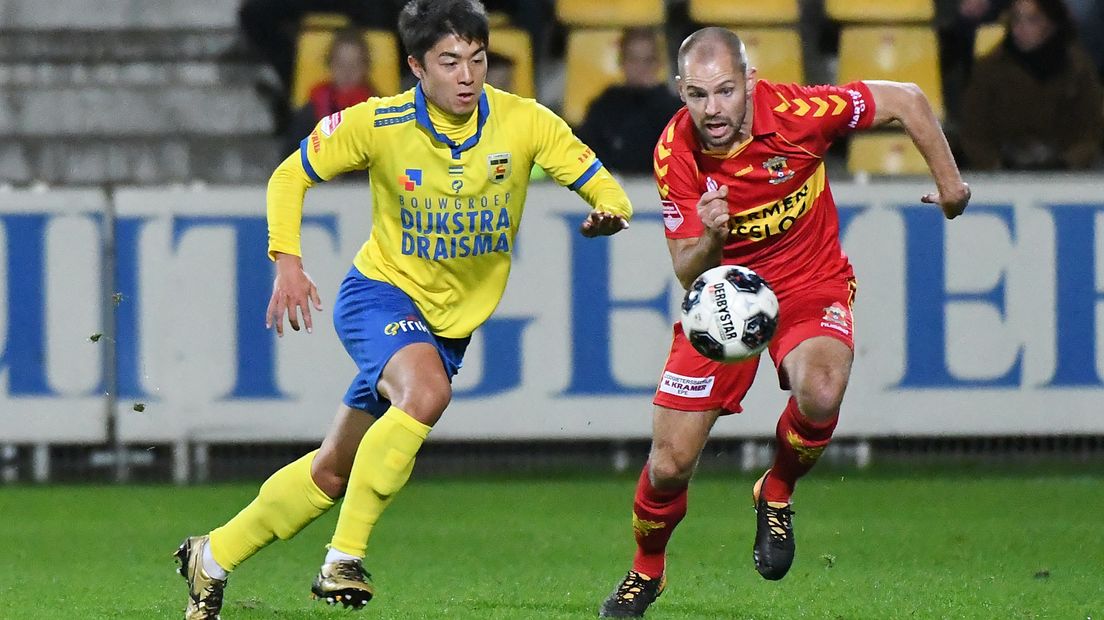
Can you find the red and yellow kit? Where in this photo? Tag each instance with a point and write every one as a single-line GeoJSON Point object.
{"type": "Point", "coordinates": [784, 225]}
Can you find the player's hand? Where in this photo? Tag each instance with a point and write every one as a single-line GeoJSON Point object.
{"type": "Point", "coordinates": [952, 200]}
{"type": "Point", "coordinates": [290, 293]}
{"type": "Point", "coordinates": [602, 224]}
{"type": "Point", "coordinates": [713, 210]}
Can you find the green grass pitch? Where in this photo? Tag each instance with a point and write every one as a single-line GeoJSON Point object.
{"type": "Point", "coordinates": [869, 546]}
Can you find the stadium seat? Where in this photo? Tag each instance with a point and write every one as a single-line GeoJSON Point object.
{"type": "Point", "coordinates": [885, 153]}
{"type": "Point", "coordinates": [744, 12]}
{"type": "Point", "coordinates": [610, 13]}
{"type": "Point", "coordinates": [310, 62]}
{"type": "Point", "coordinates": [880, 11]}
{"type": "Point", "coordinates": [591, 67]}
{"type": "Point", "coordinates": [498, 19]}
{"type": "Point", "coordinates": [514, 43]}
{"type": "Point", "coordinates": [774, 52]}
{"type": "Point", "coordinates": [902, 53]}
{"type": "Point", "coordinates": [323, 21]}
{"type": "Point", "coordinates": [988, 37]}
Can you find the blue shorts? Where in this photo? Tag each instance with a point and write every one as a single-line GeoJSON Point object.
{"type": "Point", "coordinates": [374, 320]}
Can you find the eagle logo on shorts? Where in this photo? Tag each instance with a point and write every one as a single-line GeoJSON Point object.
{"type": "Point", "coordinates": [779, 170]}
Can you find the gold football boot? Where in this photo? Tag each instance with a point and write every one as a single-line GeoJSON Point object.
{"type": "Point", "coordinates": [345, 582]}
{"type": "Point", "coordinates": [204, 592]}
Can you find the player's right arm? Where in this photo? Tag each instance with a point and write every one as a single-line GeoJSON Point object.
{"type": "Point", "coordinates": [696, 224]}
{"type": "Point", "coordinates": [339, 143]}
{"type": "Point", "coordinates": [691, 256]}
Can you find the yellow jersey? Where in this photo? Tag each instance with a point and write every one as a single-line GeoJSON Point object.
{"type": "Point", "coordinates": [447, 193]}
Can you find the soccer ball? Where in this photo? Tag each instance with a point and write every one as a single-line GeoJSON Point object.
{"type": "Point", "coordinates": [729, 314]}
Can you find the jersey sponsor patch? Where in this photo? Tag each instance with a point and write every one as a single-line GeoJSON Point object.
{"type": "Point", "coordinates": [672, 217]}
{"type": "Point", "coordinates": [687, 387]}
{"type": "Point", "coordinates": [330, 123]}
{"type": "Point", "coordinates": [858, 106]}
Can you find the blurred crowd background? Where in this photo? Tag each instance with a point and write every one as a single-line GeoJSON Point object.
{"type": "Point", "coordinates": [101, 91]}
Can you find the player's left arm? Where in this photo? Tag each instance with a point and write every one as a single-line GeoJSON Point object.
{"type": "Point", "coordinates": [907, 104]}
{"type": "Point", "coordinates": [575, 166]}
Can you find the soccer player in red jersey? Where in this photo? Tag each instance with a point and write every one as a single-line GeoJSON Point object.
{"type": "Point", "coordinates": [741, 174]}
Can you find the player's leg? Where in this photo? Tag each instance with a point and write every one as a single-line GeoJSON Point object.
{"type": "Point", "coordinates": [693, 392]}
{"type": "Point", "coordinates": [818, 369]}
{"type": "Point", "coordinates": [417, 385]}
{"type": "Point", "coordinates": [659, 505]}
{"type": "Point", "coordinates": [815, 347]}
{"type": "Point", "coordinates": [288, 501]}
{"type": "Point", "coordinates": [404, 380]}
{"type": "Point", "coordinates": [660, 501]}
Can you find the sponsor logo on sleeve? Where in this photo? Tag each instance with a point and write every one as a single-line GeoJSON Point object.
{"type": "Point", "coordinates": [858, 106]}
{"type": "Point", "coordinates": [672, 217]}
{"type": "Point", "coordinates": [330, 123]}
{"type": "Point", "coordinates": [316, 143]}
{"type": "Point", "coordinates": [687, 387]}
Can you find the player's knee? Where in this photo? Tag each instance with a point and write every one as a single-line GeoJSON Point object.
{"type": "Point", "coordinates": [425, 403]}
{"type": "Point", "coordinates": [669, 470]}
{"type": "Point", "coordinates": [331, 482]}
{"type": "Point", "coordinates": [820, 397]}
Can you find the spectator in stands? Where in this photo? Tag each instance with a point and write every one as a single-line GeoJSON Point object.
{"type": "Point", "coordinates": [624, 122]}
{"type": "Point", "coordinates": [1089, 17]}
{"type": "Point", "coordinates": [348, 85]}
{"type": "Point", "coordinates": [272, 27]}
{"type": "Point", "coordinates": [957, 25]}
{"type": "Point", "coordinates": [500, 71]}
{"type": "Point", "coordinates": [1035, 102]}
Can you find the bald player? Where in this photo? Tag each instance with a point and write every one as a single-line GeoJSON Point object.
{"type": "Point", "coordinates": [740, 171]}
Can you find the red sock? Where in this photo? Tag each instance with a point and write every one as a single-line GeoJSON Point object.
{"type": "Point", "coordinates": [800, 442]}
{"type": "Point", "coordinates": [655, 515]}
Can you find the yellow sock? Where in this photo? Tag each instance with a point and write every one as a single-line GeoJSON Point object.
{"type": "Point", "coordinates": [287, 502]}
{"type": "Point", "coordinates": [382, 466]}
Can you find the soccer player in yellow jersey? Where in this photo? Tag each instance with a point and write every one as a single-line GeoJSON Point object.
{"type": "Point", "coordinates": [449, 165]}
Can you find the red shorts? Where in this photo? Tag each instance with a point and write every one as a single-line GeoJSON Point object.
{"type": "Point", "coordinates": [693, 382]}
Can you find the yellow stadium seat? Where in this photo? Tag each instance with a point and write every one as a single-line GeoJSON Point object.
{"type": "Point", "coordinates": [988, 38]}
{"type": "Point", "coordinates": [323, 21]}
{"type": "Point", "coordinates": [882, 11]}
{"type": "Point", "coordinates": [498, 19]}
{"type": "Point", "coordinates": [610, 13]}
{"type": "Point", "coordinates": [744, 12]}
{"type": "Point", "coordinates": [888, 153]}
{"type": "Point", "coordinates": [774, 52]}
{"type": "Point", "coordinates": [901, 53]}
{"type": "Point", "coordinates": [310, 62]}
{"type": "Point", "coordinates": [592, 65]}
{"type": "Point", "coordinates": [514, 43]}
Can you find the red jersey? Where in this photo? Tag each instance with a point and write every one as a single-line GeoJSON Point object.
{"type": "Point", "coordinates": [784, 221]}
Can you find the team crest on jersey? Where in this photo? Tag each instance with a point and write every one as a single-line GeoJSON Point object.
{"type": "Point", "coordinates": [779, 170]}
{"type": "Point", "coordinates": [330, 123]}
{"type": "Point", "coordinates": [835, 317]}
{"type": "Point", "coordinates": [498, 167]}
